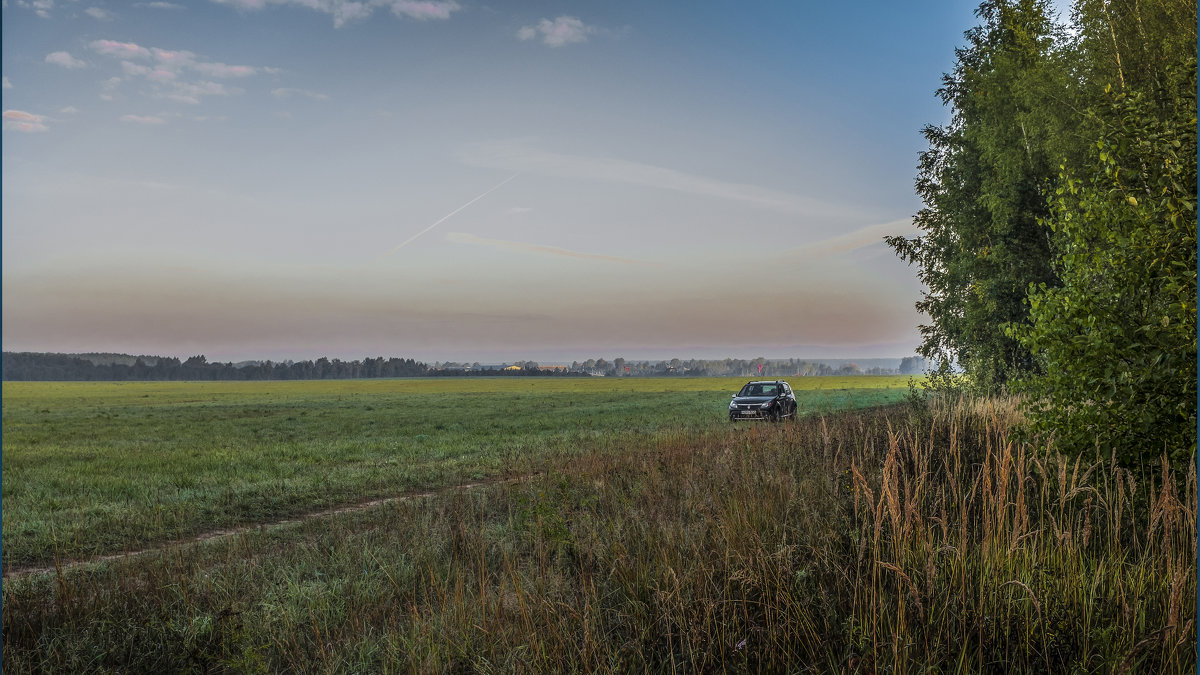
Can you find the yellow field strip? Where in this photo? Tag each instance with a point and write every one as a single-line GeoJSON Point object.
{"type": "Point", "coordinates": [160, 392]}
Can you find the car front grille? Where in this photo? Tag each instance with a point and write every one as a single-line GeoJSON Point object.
{"type": "Point", "coordinates": [749, 406]}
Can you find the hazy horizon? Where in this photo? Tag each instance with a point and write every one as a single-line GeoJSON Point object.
{"type": "Point", "coordinates": [448, 180]}
{"type": "Point", "coordinates": [545, 360]}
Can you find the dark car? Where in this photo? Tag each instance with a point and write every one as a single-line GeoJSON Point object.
{"type": "Point", "coordinates": [763, 400]}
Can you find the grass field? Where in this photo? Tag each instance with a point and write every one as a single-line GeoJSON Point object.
{"type": "Point", "coordinates": [97, 468]}
{"type": "Point", "coordinates": [654, 538]}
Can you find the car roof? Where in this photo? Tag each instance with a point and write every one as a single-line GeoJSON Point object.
{"type": "Point", "coordinates": [765, 382]}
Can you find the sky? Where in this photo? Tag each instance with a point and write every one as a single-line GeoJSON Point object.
{"type": "Point", "coordinates": [467, 181]}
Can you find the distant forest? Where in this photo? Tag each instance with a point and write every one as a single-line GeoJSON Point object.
{"type": "Point", "coordinates": [29, 366]}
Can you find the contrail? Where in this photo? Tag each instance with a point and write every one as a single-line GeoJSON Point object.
{"type": "Point", "coordinates": [446, 217]}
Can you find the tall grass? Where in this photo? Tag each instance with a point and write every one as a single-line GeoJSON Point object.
{"type": "Point", "coordinates": [873, 541]}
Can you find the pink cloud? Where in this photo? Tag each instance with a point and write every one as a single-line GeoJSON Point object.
{"type": "Point", "coordinates": [19, 120]}
{"type": "Point", "coordinates": [126, 50]}
{"type": "Point", "coordinates": [173, 58]}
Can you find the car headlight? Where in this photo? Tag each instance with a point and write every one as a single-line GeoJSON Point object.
{"type": "Point", "coordinates": [766, 405]}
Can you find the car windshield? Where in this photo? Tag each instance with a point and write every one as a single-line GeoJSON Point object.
{"type": "Point", "coordinates": [759, 389]}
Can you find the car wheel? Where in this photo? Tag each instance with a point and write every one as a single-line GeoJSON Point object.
{"type": "Point", "coordinates": [777, 413]}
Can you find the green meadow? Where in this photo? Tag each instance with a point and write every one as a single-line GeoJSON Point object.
{"type": "Point", "coordinates": [613, 526]}
{"type": "Point", "coordinates": [95, 468]}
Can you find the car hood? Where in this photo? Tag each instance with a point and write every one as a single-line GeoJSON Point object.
{"type": "Point", "coordinates": [753, 399]}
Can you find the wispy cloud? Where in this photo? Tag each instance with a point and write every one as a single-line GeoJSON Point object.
{"type": "Point", "coordinates": [143, 119]}
{"type": "Point", "coordinates": [69, 110]}
{"type": "Point", "coordinates": [179, 60]}
{"type": "Point", "coordinates": [167, 70]}
{"type": "Point", "coordinates": [519, 155]}
{"type": "Point", "coordinates": [19, 120]}
{"type": "Point", "coordinates": [160, 5]}
{"type": "Point", "coordinates": [65, 60]}
{"type": "Point", "coordinates": [423, 10]}
{"type": "Point", "coordinates": [174, 60]}
{"type": "Point", "coordinates": [184, 92]}
{"type": "Point", "coordinates": [124, 50]}
{"type": "Point", "coordinates": [153, 74]}
{"type": "Point", "coordinates": [98, 14]}
{"type": "Point", "coordinates": [223, 70]}
{"type": "Point", "coordinates": [7, 84]}
{"type": "Point", "coordinates": [561, 31]}
{"type": "Point", "coordinates": [40, 7]}
{"type": "Point", "coordinates": [287, 92]}
{"type": "Point", "coordinates": [844, 243]}
{"type": "Point", "coordinates": [463, 238]}
{"type": "Point", "coordinates": [345, 11]}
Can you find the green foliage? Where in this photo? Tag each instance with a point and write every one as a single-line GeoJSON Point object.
{"type": "Point", "coordinates": [1117, 341]}
{"type": "Point", "coordinates": [1126, 44]}
{"type": "Point", "coordinates": [1077, 284]}
{"type": "Point", "coordinates": [983, 180]}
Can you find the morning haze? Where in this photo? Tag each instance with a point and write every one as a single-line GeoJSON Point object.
{"type": "Point", "coordinates": [454, 181]}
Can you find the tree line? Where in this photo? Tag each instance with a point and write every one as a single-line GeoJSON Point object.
{"type": "Point", "coordinates": [62, 367]}
{"type": "Point", "coordinates": [29, 366]}
{"type": "Point", "coordinates": [1058, 233]}
{"type": "Point", "coordinates": [756, 367]}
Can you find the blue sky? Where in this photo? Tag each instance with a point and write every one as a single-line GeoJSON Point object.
{"type": "Point", "coordinates": [452, 180]}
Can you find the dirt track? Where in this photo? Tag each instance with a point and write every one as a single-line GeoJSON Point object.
{"type": "Point", "coordinates": [18, 572]}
